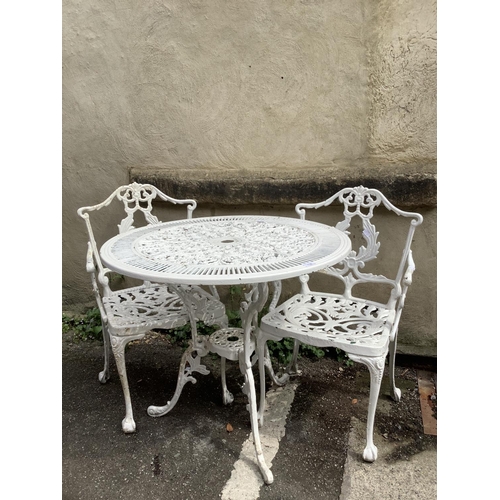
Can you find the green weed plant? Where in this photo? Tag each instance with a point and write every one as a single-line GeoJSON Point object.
{"type": "Point", "coordinates": [88, 327]}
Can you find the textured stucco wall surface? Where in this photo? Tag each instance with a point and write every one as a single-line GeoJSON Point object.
{"type": "Point", "coordinates": [219, 84]}
{"type": "Point", "coordinates": [214, 88]}
{"type": "Point", "coordinates": [402, 64]}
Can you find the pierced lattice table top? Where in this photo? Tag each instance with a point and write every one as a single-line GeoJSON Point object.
{"type": "Point", "coordinates": [225, 250]}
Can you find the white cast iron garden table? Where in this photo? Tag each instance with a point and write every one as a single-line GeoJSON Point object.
{"type": "Point", "coordinates": [226, 250]}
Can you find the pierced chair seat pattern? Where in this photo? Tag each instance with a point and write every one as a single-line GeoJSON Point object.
{"type": "Point", "coordinates": [355, 326]}
{"type": "Point", "coordinates": [142, 308]}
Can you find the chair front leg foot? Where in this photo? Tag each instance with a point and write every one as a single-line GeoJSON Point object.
{"type": "Point", "coordinates": [227, 397]}
{"type": "Point", "coordinates": [370, 453]}
{"type": "Point", "coordinates": [128, 425]}
{"type": "Point", "coordinates": [278, 379]}
{"type": "Point", "coordinates": [118, 345]}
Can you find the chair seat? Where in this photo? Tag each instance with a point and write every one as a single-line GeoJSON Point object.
{"type": "Point", "coordinates": [139, 309]}
{"type": "Point", "coordinates": [327, 320]}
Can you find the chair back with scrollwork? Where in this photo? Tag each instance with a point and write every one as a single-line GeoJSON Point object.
{"type": "Point", "coordinates": [136, 199]}
{"type": "Point", "coordinates": [359, 204]}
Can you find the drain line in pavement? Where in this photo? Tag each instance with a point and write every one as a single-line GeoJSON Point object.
{"type": "Point", "coordinates": [246, 479]}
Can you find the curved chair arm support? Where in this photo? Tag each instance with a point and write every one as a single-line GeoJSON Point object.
{"type": "Point", "coordinates": [408, 277]}
{"type": "Point", "coordinates": [407, 280]}
{"type": "Point", "coordinates": [90, 265]}
{"type": "Point", "coordinates": [101, 274]}
{"type": "Point", "coordinates": [100, 305]}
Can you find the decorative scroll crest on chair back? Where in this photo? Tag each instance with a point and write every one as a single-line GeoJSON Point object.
{"type": "Point", "coordinates": [138, 197]}
{"type": "Point", "coordinates": [360, 202]}
{"type": "Point", "coordinates": [135, 197]}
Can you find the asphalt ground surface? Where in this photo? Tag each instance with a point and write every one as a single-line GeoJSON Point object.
{"type": "Point", "coordinates": [190, 453]}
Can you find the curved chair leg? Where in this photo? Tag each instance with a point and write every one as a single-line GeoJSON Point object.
{"type": "Point", "coordinates": [260, 348]}
{"type": "Point", "coordinates": [280, 381]}
{"type": "Point", "coordinates": [395, 392]}
{"type": "Point", "coordinates": [265, 364]}
{"type": "Point", "coordinates": [376, 368]}
{"type": "Point", "coordinates": [104, 375]}
{"type": "Point", "coordinates": [227, 396]}
{"type": "Point", "coordinates": [293, 368]}
{"type": "Point", "coordinates": [118, 345]}
{"type": "Point", "coordinates": [185, 376]}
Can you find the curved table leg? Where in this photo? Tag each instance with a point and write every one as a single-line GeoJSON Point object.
{"type": "Point", "coordinates": [249, 390]}
{"type": "Point", "coordinates": [249, 316]}
{"type": "Point", "coordinates": [191, 359]}
{"type": "Point", "coordinates": [185, 376]}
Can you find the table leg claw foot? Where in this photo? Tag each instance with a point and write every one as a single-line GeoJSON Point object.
{"type": "Point", "coordinates": [265, 471]}
{"type": "Point", "coordinates": [159, 411]}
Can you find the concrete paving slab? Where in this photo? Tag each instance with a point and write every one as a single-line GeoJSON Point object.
{"type": "Point", "coordinates": [414, 478]}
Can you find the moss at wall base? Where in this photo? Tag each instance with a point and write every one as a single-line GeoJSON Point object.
{"type": "Point", "coordinates": [404, 185]}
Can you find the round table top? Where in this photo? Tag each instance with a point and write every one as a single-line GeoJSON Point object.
{"type": "Point", "coordinates": [225, 250]}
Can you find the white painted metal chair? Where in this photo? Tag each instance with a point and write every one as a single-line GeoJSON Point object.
{"type": "Point", "coordinates": [128, 314]}
{"type": "Point", "coordinates": [365, 329]}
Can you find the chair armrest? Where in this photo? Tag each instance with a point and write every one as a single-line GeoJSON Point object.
{"type": "Point", "coordinates": [407, 280]}
{"type": "Point", "coordinates": [90, 266]}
